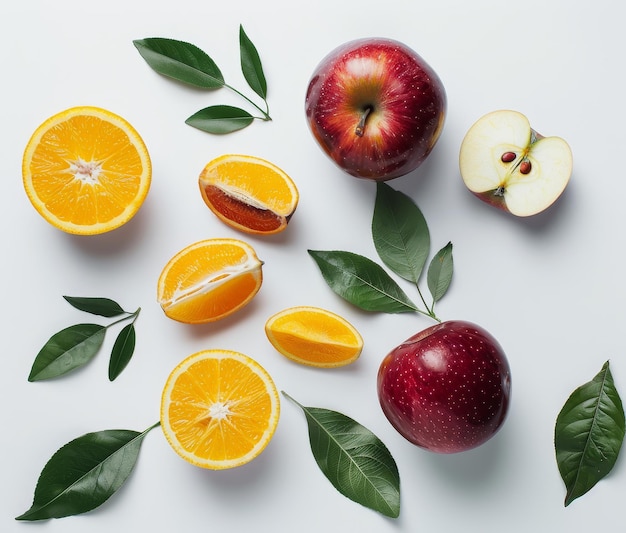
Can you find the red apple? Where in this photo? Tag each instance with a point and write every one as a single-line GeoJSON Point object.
{"type": "Point", "coordinates": [447, 388]}
{"type": "Point", "coordinates": [376, 108]}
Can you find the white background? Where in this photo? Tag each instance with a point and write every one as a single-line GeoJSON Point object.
{"type": "Point", "coordinates": [549, 288]}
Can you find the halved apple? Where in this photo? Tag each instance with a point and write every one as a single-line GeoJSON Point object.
{"type": "Point", "coordinates": [509, 165]}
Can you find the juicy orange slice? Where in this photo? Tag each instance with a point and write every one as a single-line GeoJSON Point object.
{"type": "Point", "coordinates": [249, 193]}
{"type": "Point", "coordinates": [86, 170]}
{"type": "Point", "coordinates": [219, 409]}
{"type": "Point", "coordinates": [209, 280]}
{"type": "Point", "coordinates": [314, 336]}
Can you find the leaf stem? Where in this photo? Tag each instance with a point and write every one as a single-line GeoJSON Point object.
{"type": "Point", "coordinates": [430, 311]}
{"type": "Point", "coordinates": [128, 316]}
{"type": "Point", "coordinates": [155, 425]}
{"type": "Point", "coordinates": [290, 398]}
{"type": "Point", "coordinates": [265, 113]}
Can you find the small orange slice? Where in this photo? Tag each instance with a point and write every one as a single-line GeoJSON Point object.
{"type": "Point", "coordinates": [209, 280]}
{"type": "Point", "coordinates": [86, 170]}
{"type": "Point", "coordinates": [249, 193]}
{"type": "Point", "coordinates": [314, 336]}
{"type": "Point", "coordinates": [219, 409]}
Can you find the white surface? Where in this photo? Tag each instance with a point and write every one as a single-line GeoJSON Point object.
{"type": "Point", "coordinates": [549, 288]}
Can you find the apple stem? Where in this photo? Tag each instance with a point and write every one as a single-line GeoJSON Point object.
{"type": "Point", "coordinates": [360, 127]}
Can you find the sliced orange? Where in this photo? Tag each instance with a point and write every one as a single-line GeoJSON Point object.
{"type": "Point", "coordinates": [314, 336]}
{"type": "Point", "coordinates": [249, 193]}
{"type": "Point", "coordinates": [86, 170]}
{"type": "Point", "coordinates": [219, 409]}
{"type": "Point", "coordinates": [209, 280]}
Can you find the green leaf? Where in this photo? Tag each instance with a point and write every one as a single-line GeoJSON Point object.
{"type": "Point", "coordinates": [181, 61]}
{"type": "Point", "coordinates": [440, 272]}
{"type": "Point", "coordinates": [588, 434]}
{"type": "Point", "coordinates": [361, 282]}
{"type": "Point", "coordinates": [67, 350]}
{"type": "Point", "coordinates": [122, 352]}
{"type": "Point", "coordinates": [400, 233]}
{"type": "Point", "coordinates": [85, 473]}
{"type": "Point", "coordinates": [354, 460]}
{"type": "Point", "coordinates": [96, 306]}
{"type": "Point", "coordinates": [220, 119]}
{"type": "Point", "coordinates": [251, 65]}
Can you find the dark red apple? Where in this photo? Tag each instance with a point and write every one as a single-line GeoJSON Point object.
{"type": "Point", "coordinates": [376, 108]}
{"type": "Point", "coordinates": [447, 388]}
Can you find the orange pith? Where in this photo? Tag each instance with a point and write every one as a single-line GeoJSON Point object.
{"type": "Point", "coordinates": [209, 280]}
{"type": "Point", "coordinates": [248, 193]}
{"type": "Point", "coordinates": [86, 170]}
{"type": "Point", "coordinates": [314, 336]}
{"type": "Point", "coordinates": [219, 409]}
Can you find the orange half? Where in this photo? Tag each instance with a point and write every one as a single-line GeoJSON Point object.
{"type": "Point", "coordinates": [314, 336]}
{"type": "Point", "coordinates": [248, 193]}
{"type": "Point", "coordinates": [219, 409]}
{"type": "Point", "coordinates": [86, 170]}
{"type": "Point", "coordinates": [209, 280]}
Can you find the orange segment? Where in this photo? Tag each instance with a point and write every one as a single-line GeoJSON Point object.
{"type": "Point", "coordinates": [209, 280]}
{"type": "Point", "coordinates": [219, 409]}
{"type": "Point", "coordinates": [314, 336]}
{"type": "Point", "coordinates": [249, 193]}
{"type": "Point", "coordinates": [86, 170]}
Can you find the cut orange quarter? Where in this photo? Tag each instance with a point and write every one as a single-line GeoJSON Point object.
{"type": "Point", "coordinates": [86, 170]}
{"type": "Point", "coordinates": [249, 193]}
{"type": "Point", "coordinates": [209, 280]}
{"type": "Point", "coordinates": [314, 336]}
{"type": "Point", "coordinates": [219, 409]}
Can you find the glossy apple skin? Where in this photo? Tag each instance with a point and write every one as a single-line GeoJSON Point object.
{"type": "Point", "coordinates": [407, 104]}
{"type": "Point", "coordinates": [447, 388]}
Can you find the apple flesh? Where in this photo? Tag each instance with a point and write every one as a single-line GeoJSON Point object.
{"type": "Point", "coordinates": [447, 388]}
{"type": "Point", "coordinates": [507, 164]}
{"type": "Point", "coordinates": [376, 108]}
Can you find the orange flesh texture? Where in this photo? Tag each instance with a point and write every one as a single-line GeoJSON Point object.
{"type": "Point", "coordinates": [242, 215]}
{"type": "Point", "coordinates": [209, 282]}
{"type": "Point", "coordinates": [314, 338]}
{"type": "Point", "coordinates": [252, 195]}
{"type": "Point", "coordinates": [219, 409]}
{"type": "Point", "coordinates": [85, 171]}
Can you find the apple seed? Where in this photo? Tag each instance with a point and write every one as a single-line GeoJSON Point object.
{"type": "Point", "coordinates": [525, 167]}
{"type": "Point", "coordinates": [508, 157]}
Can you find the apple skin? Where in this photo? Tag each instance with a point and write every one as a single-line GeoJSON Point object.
{"type": "Point", "coordinates": [403, 95]}
{"type": "Point", "coordinates": [447, 388]}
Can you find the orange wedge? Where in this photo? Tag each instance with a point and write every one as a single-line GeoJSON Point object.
{"type": "Point", "coordinates": [86, 170]}
{"type": "Point", "coordinates": [314, 337]}
{"type": "Point", "coordinates": [209, 280]}
{"type": "Point", "coordinates": [219, 409]}
{"type": "Point", "coordinates": [249, 193]}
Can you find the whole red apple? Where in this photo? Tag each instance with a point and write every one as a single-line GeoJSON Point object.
{"type": "Point", "coordinates": [447, 388]}
{"type": "Point", "coordinates": [376, 108]}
